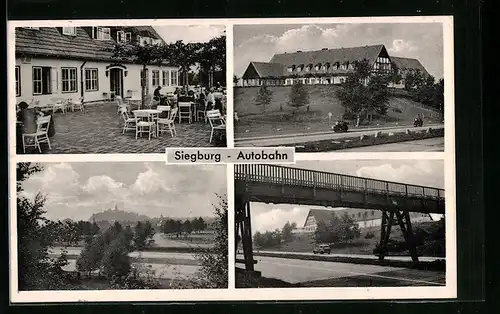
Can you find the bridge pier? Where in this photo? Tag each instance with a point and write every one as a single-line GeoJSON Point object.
{"type": "Point", "coordinates": [243, 230]}
{"type": "Point", "coordinates": [402, 218]}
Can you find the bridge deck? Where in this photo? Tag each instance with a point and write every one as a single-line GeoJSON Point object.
{"type": "Point", "coordinates": [273, 175]}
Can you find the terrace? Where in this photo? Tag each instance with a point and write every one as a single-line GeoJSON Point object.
{"type": "Point", "coordinates": [99, 129]}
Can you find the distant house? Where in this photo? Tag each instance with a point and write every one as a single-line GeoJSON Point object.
{"type": "Point", "coordinates": [325, 66]}
{"type": "Point", "coordinates": [365, 218]}
{"type": "Point", "coordinates": [74, 62]}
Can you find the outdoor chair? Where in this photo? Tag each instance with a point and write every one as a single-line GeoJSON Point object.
{"type": "Point", "coordinates": [128, 122]}
{"type": "Point", "coordinates": [77, 104]}
{"type": "Point", "coordinates": [120, 103]}
{"type": "Point", "coordinates": [185, 111]}
{"type": "Point", "coordinates": [202, 112]}
{"type": "Point", "coordinates": [168, 123]}
{"type": "Point", "coordinates": [40, 136]}
{"type": "Point", "coordinates": [216, 122]}
{"type": "Point", "coordinates": [61, 105]}
{"type": "Point", "coordinates": [144, 124]}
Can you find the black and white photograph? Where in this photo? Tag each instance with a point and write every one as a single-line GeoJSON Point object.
{"type": "Point", "coordinates": [95, 88]}
{"type": "Point", "coordinates": [357, 87]}
{"type": "Point", "coordinates": [120, 226]}
{"type": "Point", "coordinates": [343, 223]}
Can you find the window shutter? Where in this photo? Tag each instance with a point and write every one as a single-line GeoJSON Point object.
{"type": "Point", "coordinates": [54, 78]}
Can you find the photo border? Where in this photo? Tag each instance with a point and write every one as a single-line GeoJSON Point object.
{"type": "Point", "coordinates": [359, 293]}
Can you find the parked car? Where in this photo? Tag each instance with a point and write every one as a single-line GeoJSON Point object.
{"type": "Point", "coordinates": [322, 249]}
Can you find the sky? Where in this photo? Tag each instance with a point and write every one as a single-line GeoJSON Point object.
{"type": "Point", "coordinates": [420, 172]}
{"type": "Point", "coordinates": [189, 33]}
{"type": "Point", "coordinates": [261, 42]}
{"type": "Point", "coordinates": [77, 190]}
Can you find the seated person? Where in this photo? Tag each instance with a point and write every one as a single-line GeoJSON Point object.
{"type": "Point", "coordinates": [157, 94]}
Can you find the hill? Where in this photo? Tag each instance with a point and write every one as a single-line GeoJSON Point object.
{"type": "Point", "coordinates": [277, 118]}
{"type": "Point", "coordinates": [112, 215]}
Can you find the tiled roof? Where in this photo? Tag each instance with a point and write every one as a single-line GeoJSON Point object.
{"type": "Point", "coordinates": [341, 55]}
{"type": "Point", "coordinates": [279, 63]}
{"type": "Point", "coordinates": [408, 63]}
{"type": "Point", "coordinates": [325, 214]}
{"type": "Point", "coordinates": [265, 69]}
{"type": "Point", "coordinates": [49, 41]}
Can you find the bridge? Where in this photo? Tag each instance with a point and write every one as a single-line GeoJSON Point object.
{"type": "Point", "coordinates": [285, 185]}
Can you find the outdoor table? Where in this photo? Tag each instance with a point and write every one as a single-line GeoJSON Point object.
{"type": "Point", "coordinates": [153, 113]}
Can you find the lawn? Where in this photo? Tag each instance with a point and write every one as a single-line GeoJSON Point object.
{"type": "Point", "coordinates": [99, 128]}
{"type": "Point", "coordinates": [278, 119]}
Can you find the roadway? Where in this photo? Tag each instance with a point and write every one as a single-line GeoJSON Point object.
{"type": "Point", "coordinates": [364, 256]}
{"type": "Point", "coordinates": [290, 139]}
{"type": "Point", "coordinates": [325, 274]}
{"type": "Point", "coordinates": [164, 264]}
{"type": "Point", "coordinates": [435, 144]}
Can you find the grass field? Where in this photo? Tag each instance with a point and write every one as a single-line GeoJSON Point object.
{"type": "Point", "coordinates": [278, 119]}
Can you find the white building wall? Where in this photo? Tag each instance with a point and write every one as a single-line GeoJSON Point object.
{"type": "Point", "coordinates": [131, 82]}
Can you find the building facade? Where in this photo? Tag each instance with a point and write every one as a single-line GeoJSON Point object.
{"type": "Point", "coordinates": [364, 218]}
{"type": "Point", "coordinates": [74, 62]}
{"type": "Point", "coordinates": [325, 66]}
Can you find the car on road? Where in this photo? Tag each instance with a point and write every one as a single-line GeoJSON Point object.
{"type": "Point", "coordinates": [340, 126]}
{"type": "Point", "coordinates": [322, 249]}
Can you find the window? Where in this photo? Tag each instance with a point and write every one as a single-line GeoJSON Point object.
{"type": "Point", "coordinates": [69, 80]}
{"type": "Point", "coordinates": [18, 81]}
{"type": "Point", "coordinates": [165, 77]}
{"type": "Point", "coordinates": [41, 80]}
{"type": "Point", "coordinates": [173, 78]}
{"type": "Point", "coordinates": [91, 80]}
{"type": "Point", "coordinates": [128, 37]}
{"type": "Point", "coordinates": [156, 77]}
{"type": "Point", "coordinates": [101, 33]}
{"type": "Point", "coordinates": [71, 31]}
{"type": "Point", "coordinates": [120, 36]}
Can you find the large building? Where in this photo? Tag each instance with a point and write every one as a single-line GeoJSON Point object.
{"type": "Point", "coordinates": [325, 66]}
{"type": "Point", "coordinates": [74, 62]}
{"type": "Point", "coordinates": [365, 218]}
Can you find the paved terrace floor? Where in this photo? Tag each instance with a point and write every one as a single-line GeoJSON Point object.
{"type": "Point", "coordinates": [99, 128]}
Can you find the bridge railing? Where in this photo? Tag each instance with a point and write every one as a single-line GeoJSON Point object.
{"type": "Point", "coordinates": [318, 179]}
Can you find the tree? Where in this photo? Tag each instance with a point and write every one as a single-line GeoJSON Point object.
{"type": "Point", "coordinates": [258, 239]}
{"type": "Point", "coordinates": [363, 92]}
{"type": "Point", "coordinates": [298, 97]}
{"type": "Point", "coordinates": [115, 261]}
{"type": "Point", "coordinates": [91, 255]}
{"type": "Point", "coordinates": [36, 270]}
{"type": "Point", "coordinates": [181, 54]}
{"type": "Point", "coordinates": [212, 58]}
{"type": "Point", "coordinates": [264, 97]}
{"type": "Point", "coordinates": [213, 272]}
{"type": "Point", "coordinates": [287, 232]}
{"type": "Point", "coordinates": [347, 229]}
{"type": "Point", "coordinates": [143, 54]}
{"type": "Point", "coordinates": [187, 226]}
{"type": "Point", "coordinates": [235, 80]}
